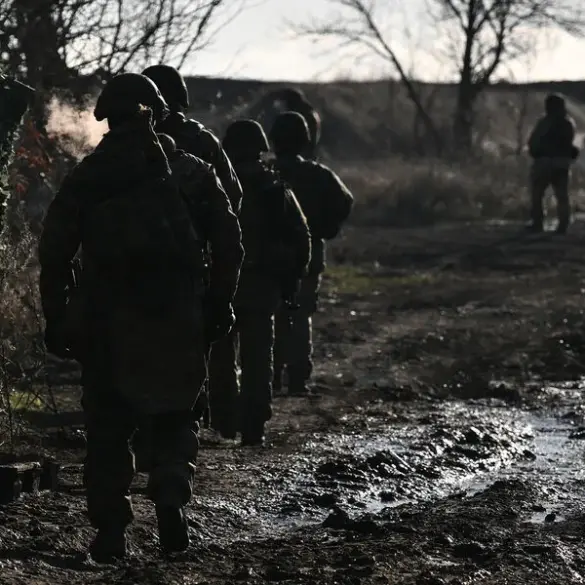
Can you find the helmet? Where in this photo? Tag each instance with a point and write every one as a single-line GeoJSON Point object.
{"type": "Point", "coordinates": [124, 92]}
{"type": "Point", "coordinates": [290, 133]}
{"type": "Point", "coordinates": [554, 103]}
{"type": "Point", "coordinates": [171, 84]}
{"type": "Point", "coordinates": [245, 137]}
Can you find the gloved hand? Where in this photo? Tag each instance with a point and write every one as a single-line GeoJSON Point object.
{"type": "Point", "coordinates": [56, 342]}
{"type": "Point", "coordinates": [219, 318]}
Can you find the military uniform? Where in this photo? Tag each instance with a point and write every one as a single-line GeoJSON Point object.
{"type": "Point", "coordinates": [190, 135]}
{"type": "Point", "coordinates": [277, 244]}
{"type": "Point", "coordinates": [326, 202]}
{"type": "Point", "coordinates": [141, 342]}
{"type": "Point", "coordinates": [551, 147]}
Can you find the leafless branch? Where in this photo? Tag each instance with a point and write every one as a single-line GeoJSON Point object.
{"type": "Point", "coordinates": [107, 35]}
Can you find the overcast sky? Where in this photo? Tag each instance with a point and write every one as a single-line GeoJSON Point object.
{"type": "Point", "coordinates": [258, 44]}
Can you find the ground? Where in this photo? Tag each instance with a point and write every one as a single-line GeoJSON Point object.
{"type": "Point", "coordinates": [444, 448]}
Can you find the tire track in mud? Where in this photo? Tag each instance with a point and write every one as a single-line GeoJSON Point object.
{"type": "Point", "coordinates": [424, 453]}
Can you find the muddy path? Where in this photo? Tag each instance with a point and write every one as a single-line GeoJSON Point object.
{"type": "Point", "coordinates": [446, 446]}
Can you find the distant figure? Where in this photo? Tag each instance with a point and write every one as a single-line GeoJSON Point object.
{"type": "Point", "coordinates": [552, 149]}
{"type": "Point", "coordinates": [292, 100]}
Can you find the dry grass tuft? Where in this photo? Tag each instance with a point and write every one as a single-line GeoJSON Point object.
{"type": "Point", "coordinates": [410, 193]}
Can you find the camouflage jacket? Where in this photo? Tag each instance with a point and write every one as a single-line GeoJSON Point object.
{"type": "Point", "coordinates": [194, 138]}
{"type": "Point", "coordinates": [324, 198]}
{"type": "Point", "coordinates": [275, 231]}
{"type": "Point", "coordinates": [128, 159]}
{"type": "Point", "coordinates": [214, 219]}
{"type": "Point", "coordinates": [552, 137]}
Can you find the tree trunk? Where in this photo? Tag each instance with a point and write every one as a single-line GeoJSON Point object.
{"type": "Point", "coordinates": [39, 43]}
{"type": "Point", "coordinates": [463, 122]}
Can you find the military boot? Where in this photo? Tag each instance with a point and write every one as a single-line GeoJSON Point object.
{"type": "Point", "coordinates": [109, 545]}
{"type": "Point", "coordinates": [173, 529]}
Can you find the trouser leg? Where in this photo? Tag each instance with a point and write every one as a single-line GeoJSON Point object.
{"type": "Point", "coordinates": [223, 384]}
{"type": "Point", "coordinates": [175, 445]}
{"type": "Point", "coordinates": [300, 359]}
{"type": "Point", "coordinates": [256, 347]}
{"type": "Point", "coordinates": [282, 336]}
{"type": "Point", "coordinates": [539, 181]}
{"type": "Point", "coordinates": [109, 464]}
{"type": "Point", "coordinates": [560, 185]}
{"type": "Point", "coordinates": [300, 365]}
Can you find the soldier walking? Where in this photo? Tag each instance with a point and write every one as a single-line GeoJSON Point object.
{"type": "Point", "coordinates": [140, 334]}
{"type": "Point", "coordinates": [326, 203]}
{"type": "Point", "coordinates": [277, 244]}
{"type": "Point", "coordinates": [190, 135]}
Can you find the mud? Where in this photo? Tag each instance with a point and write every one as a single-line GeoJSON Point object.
{"type": "Point", "coordinates": [446, 446]}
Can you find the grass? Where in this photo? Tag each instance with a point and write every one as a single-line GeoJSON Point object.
{"type": "Point", "coordinates": [413, 193]}
{"type": "Point", "coordinates": [355, 280]}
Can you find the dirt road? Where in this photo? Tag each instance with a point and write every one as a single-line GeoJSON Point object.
{"type": "Point", "coordinates": [445, 448]}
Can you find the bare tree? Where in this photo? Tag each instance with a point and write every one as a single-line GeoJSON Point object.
{"type": "Point", "coordinates": [358, 24]}
{"type": "Point", "coordinates": [47, 41]}
{"type": "Point", "coordinates": [486, 34]}
{"type": "Point", "coordinates": [483, 34]}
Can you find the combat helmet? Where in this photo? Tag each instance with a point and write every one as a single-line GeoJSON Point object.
{"type": "Point", "coordinates": [555, 104]}
{"type": "Point", "coordinates": [245, 137]}
{"type": "Point", "coordinates": [290, 133]}
{"type": "Point", "coordinates": [171, 84]}
{"type": "Point", "coordinates": [124, 92]}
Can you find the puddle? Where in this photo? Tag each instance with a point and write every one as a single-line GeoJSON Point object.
{"type": "Point", "coordinates": [444, 449]}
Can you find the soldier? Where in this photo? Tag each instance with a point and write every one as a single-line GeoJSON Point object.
{"type": "Point", "coordinates": [326, 203]}
{"type": "Point", "coordinates": [190, 135]}
{"type": "Point", "coordinates": [139, 335]}
{"type": "Point", "coordinates": [294, 100]}
{"type": "Point", "coordinates": [551, 147]}
{"type": "Point", "coordinates": [277, 243]}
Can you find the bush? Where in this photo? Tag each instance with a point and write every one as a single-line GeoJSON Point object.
{"type": "Point", "coordinates": [409, 193]}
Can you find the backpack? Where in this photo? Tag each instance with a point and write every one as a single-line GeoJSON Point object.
{"type": "Point", "coordinates": [269, 244]}
{"type": "Point", "coordinates": [140, 224]}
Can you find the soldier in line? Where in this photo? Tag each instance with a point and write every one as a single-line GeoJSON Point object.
{"type": "Point", "coordinates": [139, 330]}
{"type": "Point", "coordinates": [551, 147]}
{"type": "Point", "coordinates": [277, 244]}
{"type": "Point", "coordinates": [190, 135]}
{"type": "Point", "coordinates": [326, 203]}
